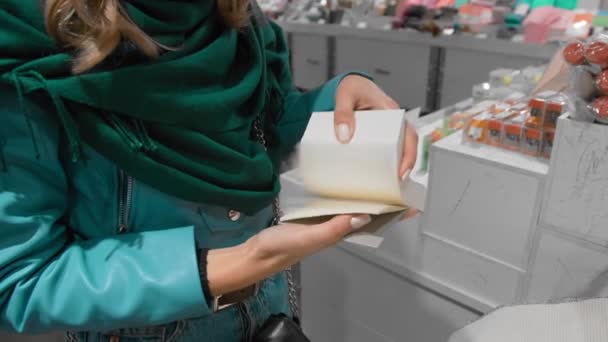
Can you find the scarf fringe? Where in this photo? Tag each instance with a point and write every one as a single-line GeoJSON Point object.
{"type": "Point", "coordinates": [135, 135]}
{"type": "Point", "coordinates": [26, 113]}
{"type": "Point", "coordinates": [67, 122]}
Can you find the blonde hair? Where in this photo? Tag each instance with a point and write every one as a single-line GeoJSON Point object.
{"type": "Point", "coordinates": [93, 28]}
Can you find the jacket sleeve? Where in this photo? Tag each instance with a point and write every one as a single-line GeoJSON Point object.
{"type": "Point", "coordinates": [48, 281]}
{"type": "Point", "coordinates": [297, 106]}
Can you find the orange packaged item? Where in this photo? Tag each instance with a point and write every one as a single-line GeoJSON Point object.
{"type": "Point", "coordinates": [477, 128]}
{"type": "Point", "coordinates": [498, 108]}
{"type": "Point", "coordinates": [537, 112]}
{"type": "Point", "coordinates": [553, 111]}
{"type": "Point", "coordinates": [512, 130]}
{"type": "Point", "coordinates": [494, 134]}
{"type": "Point", "coordinates": [458, 120]}
{"type": "Point", "coordinates": [545, 108]}
{"type": "Point", "coordinates": [518, 107]}
{"type": "Point", "coordinates": [548, 136]}
{"type": "Point", "coordinates": [532, 141]}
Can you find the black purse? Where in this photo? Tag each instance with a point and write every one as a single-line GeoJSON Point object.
{"type": "Point", "coordinates": [280, 328]}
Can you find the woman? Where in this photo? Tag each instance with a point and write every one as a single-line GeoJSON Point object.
{"type": "Point", "coordinates": [135, 184]}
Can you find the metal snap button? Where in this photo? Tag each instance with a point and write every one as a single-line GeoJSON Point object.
{"type": "Point", "coordinates": [234, 215]}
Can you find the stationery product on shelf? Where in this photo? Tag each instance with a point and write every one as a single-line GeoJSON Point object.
{"type": "Point", "coordinates": [532, 140]}
{"type": "Point", "coordinates": [495, 127]}
{"type": "Point", "coordinates": [512, 132]}
{"type": "Point", "coordinates": [520, 126]}
{"type": "Point", "coordinates": [477, 129]}
{"type": "Point", "coordinates": [545, 108]}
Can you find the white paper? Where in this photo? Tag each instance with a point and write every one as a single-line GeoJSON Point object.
{"type": "Point", "coordinates": [365, 169]}
{"type": "Point", "coordinates": [360, 177]}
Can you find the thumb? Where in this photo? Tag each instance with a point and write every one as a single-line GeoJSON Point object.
{"type": "Point", "coordinates": [344, 117]}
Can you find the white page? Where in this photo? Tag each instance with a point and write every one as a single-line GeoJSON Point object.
{"type": "Point", "coordinates": [360, 177]}
{"type": "Point", "coordinates": [364, 169]}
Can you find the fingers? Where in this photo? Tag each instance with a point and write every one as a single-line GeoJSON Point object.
{"type": "Point", "coordinates": [409, 213]}
{"type": "Point", "coordinates": [388, 103]}
{"type": "Point", "coordinates": [330, 232]}
{"type": "Point", "coordinates": [410, 150]}
{"type": "Point", "coordinates": [344, 118]}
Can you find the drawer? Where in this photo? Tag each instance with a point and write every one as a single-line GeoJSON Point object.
{"type": "Point", "coordinates": [465, 68]}
{"type": "Point", "coordinates": [347, 299]}
{"type": "Point", "coordinates": [310, 60]}
{"type": "Point", "coordinates": [488, 207]}
{"type": "Point", "coordinates": [400, 69]}
{"type": "Point", "coordinates": [486, 280]}
{"type": "Point", "coordinates": [568, 268]}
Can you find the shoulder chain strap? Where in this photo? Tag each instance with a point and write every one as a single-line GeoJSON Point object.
{"type": "Point", "coordinates": [291, 284]}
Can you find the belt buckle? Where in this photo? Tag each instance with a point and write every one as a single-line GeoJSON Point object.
{"type": "Point", "coordinates": [216, 306]}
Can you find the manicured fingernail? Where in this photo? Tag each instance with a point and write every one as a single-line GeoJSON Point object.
{"type": "Point", "coordinates": [343, 133]}
{"type": "Point", "coordinates": [405, 175]}
{"type": "Point", "coordinates": [359, 222]}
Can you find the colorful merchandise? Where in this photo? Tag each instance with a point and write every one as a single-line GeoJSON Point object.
{"type": "Point", "coordinates": [588, 91]}
{"type": "Point", "coordinates": [521, 126]}
{"type": "Point", "coordinates": [545, 108]}
{"type": "Point", "coordinates": [547, 143]}
{"type": "Point", "coordinates": [474, 17]}
{"type": "Point", "coordinates": [512, 130]}
{"type": "Point", "coordinates": [542, 20]}
{"type": "Point", "coordinates": [532, 139]}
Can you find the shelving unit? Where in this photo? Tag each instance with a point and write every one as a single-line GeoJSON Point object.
{"type": "Point", "coordinates": [414, 68]}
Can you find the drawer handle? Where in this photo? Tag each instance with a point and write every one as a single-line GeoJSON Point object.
{"type": "Point", "coordinates": [380, 71]}
{"type": "Point", "coordinates": [313, 61]}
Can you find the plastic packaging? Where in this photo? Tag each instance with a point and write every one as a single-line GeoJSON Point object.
{"type": "Point", "coordinates": [574, 53]}
{"type": "Point", "coordinates": [532, 139]}
{"type": "Point", "coordinates": [548, 136]}
{"type": "Point", "coordinates": [588, 80]}
{"type": "Point", "coordinates": [512, 133]}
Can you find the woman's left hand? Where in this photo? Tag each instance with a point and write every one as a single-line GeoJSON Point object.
{"type": "Point", "coordinates": [359, 93]}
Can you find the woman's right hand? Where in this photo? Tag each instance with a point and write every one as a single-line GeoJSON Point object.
{"type": "Point", "coordinates": [273, 250]}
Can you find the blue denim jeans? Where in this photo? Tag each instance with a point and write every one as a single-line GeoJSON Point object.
{"type": "Point", "coordinates": [234, 324]}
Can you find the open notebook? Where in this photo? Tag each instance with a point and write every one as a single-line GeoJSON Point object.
{"type": "Point", "coordinates": [360, 177]}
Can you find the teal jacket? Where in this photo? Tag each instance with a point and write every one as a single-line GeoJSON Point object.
{"type": "Point", "coordinates": [83, 246]}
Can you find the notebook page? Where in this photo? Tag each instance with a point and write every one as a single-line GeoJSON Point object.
{"type": "Point", "coordinates": [365, 169]}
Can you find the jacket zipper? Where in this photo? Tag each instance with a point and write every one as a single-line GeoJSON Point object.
{"type": "Point", "coordinates": [125, 193]}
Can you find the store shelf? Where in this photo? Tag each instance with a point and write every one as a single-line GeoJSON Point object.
{"type": "Point", "coordinates": [508, 159]}
{"type": "Point", "coordinates": [495, 46]}
{"type": "Point", "coordinates": [415, 68]}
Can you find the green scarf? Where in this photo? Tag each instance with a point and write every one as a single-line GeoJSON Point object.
{"type": "Point", "coordinates": [181, 123]}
